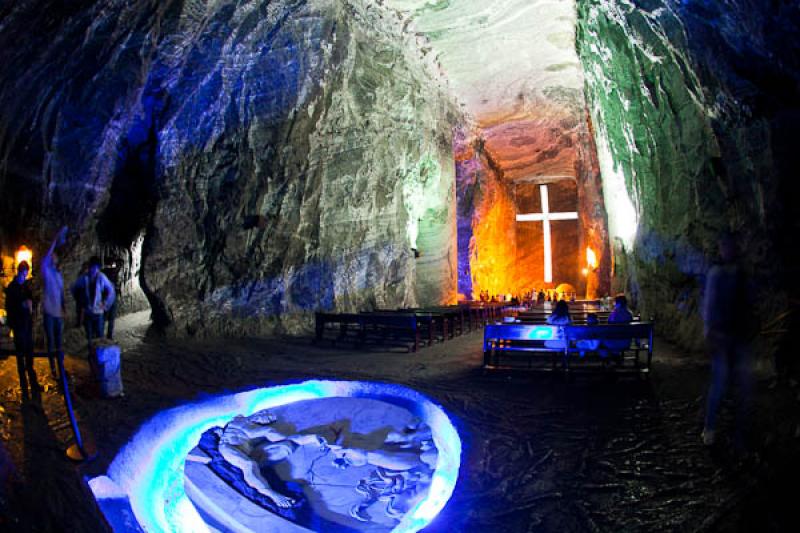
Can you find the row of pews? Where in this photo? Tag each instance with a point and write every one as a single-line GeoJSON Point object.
{"type": "Point", "coordinates": [525, 340]}
{"type": "Point", "coordinates": [411, 328]}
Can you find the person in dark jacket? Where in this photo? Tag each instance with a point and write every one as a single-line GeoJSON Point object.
{"type": "Point", "coordinates": [19, 310]}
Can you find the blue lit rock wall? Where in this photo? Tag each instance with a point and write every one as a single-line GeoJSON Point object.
{"type": "Point", "coordinates": [693, 103]}
{"type": "Point", "coordinates": [272, 158]}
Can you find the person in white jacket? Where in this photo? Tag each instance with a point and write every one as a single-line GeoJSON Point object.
{"type": "Point", "coordinates": [99, 296]}
{"type": "Point", "coordinates": [53, 304]}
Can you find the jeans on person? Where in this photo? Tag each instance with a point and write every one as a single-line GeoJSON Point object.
{"type": "Point", "coordinates": [110, 316]}
{"type": "Point", "coordinates": [53, 330]}
{"type": "Point", "coordinates": [729, 354]}
{"type": "Point", "coordinates": [94, 325]}
{"type": "Point", "coordinates": [23, 344]}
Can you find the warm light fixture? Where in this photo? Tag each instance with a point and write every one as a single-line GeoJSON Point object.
{"type": "Point", "coordinates": [591, 258]}
{"type": "Point", "coordinates": [585, 271]}
{"type": "Point", "coordinates": [23, 254]}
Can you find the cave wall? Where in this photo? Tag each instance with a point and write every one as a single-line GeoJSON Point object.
{"type": "Point", "coordinates": [270, 158]}
{"type": "Point", "coordinates": [495, 252]}
{"type": "Point", "coordinates": [487, 245]}
{"type": "Point", "coordinates": [691, 103]}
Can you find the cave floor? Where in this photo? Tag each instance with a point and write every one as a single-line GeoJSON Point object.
{"type": "Point", "coordinates": [539, 454]}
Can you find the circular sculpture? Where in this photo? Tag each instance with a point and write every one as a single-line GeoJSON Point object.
{"type": "Point", "coordinates": [316, 456]}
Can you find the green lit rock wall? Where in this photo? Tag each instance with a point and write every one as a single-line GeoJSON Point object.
{"type": "Point", "coordinates": [692, 102]}
{"type": "Point", "coordinates": [252, 161]}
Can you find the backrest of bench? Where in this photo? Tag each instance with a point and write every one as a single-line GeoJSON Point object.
{"type": "Point", "coordinates": [520, 332]}
{"type": "Point", "coordinates": [634, 330]}
{"type": "Point", "coordinates": [336, 318]}
{"type": "Point", "coordinates": [400, 320]}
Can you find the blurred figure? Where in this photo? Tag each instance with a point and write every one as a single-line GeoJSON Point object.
{"type": "Point", "coordinates": [589, 345]}
{"type": "Point", "coordinates": [729, 325]}
{"type": "Point", "coordinates": [559, 317]}
{"type": "Point", "coordinates": [620, 315]}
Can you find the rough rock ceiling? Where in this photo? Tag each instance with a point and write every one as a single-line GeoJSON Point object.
{"type": "Point", "coordinates": [513, 65]}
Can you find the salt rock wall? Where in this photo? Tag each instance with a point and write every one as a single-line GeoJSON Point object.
{"type": "Point", "coordinates": [592, 212]}
{"type": "Point", "coordinates": [692, 104]}
{"type": "Point", "coordinates": [486, 223]}
{"type": "Point", "coordinates": [271, 158]}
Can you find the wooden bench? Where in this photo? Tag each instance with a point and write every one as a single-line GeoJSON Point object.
{"type": "Point", "coordinates": [427, 323]}
{"type": "Point", "coordinates": [541, 318]}
{"type": "Point", "coordinates": [521, 341]}
{"type": "Point", "coordinates": [361, 327]}
{"type": "Point", "coordinates": [528, 341]}
{"type": "Point", "coordinates": [639, 337]}
{"type": "Point", "coordinates": [452, 319]}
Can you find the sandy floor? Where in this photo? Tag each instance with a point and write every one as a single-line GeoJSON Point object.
{"type": "Point", "coordinates": [539, 454]}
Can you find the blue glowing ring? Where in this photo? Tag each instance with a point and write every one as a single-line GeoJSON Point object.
{"type": "Point", "coordinates": [148, 471]}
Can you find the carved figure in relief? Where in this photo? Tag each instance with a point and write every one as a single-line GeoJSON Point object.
{"type": "Point", "coordinates": [248, 442]}
{"type": "Point", "coordinates": [403, 470]}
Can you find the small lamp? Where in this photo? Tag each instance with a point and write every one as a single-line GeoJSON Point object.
{"type": "Point", "coordinates": [23, 254]}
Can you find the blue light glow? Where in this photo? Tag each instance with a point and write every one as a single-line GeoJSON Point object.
{"type": "Point", "coordinates": [541, 333]}
{"type": "Point", "coordinates": [149, 469]}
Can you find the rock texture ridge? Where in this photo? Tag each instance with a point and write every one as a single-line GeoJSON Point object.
{"type": "Point", "coordinates": [692, 103]}
{"type": "Point", "coordinates": [256, 161]}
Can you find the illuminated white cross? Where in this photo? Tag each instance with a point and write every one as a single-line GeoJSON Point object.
{"type": "Point", "coordinates": [546, 216]}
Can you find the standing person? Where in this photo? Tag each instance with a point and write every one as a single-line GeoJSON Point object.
{"type": "Point", "coordinates": [99, 295]}
{"type": "Point", "coordinates": [112, 273]}
{"type": "Point", "coordinates": [728, 327]}
{"type": "Point", "coordinates": [53, 301]}
{"type": "Point", "coordinates": [19, 310]}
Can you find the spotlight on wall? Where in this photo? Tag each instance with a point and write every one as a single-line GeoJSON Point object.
{"type": "Point", "coordinates": [23, 254]}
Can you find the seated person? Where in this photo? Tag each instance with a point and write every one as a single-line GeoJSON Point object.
{"type": "Point", "coordinates": [559, 317]}
{"type": "Point", "coordinates": [589, 345]}
{"type": "Point", "coordinates": [620, 315]}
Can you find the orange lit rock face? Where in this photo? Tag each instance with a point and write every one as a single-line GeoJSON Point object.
{"type": "Point", "coordinates": [515, 155]}
{"type": "Point", "coordinates": [592, 212]}
{"type": "Point", "coordinates": [499, 255]}
{"type": "Point", "coordinates": [543, 146]}
{"type": "Point", "coordinates": [493, 257]}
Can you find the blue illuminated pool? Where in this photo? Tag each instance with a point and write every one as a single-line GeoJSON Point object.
{"type": "Point", "coordinates": [144, 485]}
